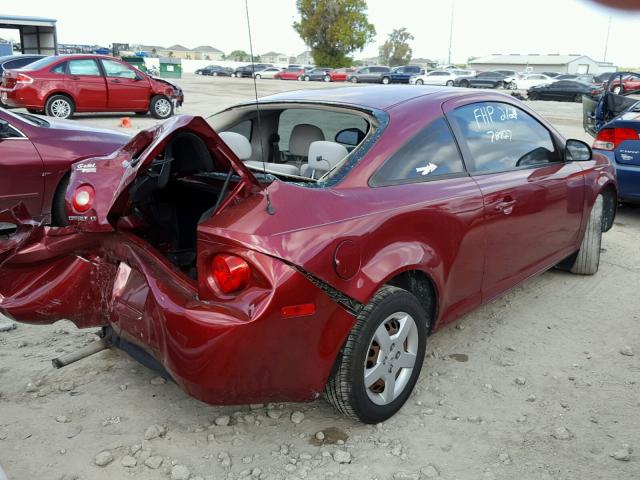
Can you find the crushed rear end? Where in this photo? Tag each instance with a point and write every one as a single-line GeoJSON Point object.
{"type": "Point", "coordinates": [145, 254]}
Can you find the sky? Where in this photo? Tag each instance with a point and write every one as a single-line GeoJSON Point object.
{"type": "Point", "coordinates": [480, 27]}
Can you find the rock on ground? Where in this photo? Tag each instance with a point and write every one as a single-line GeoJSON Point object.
{"type": "Point", "coordinates": [103, 459]}
{"type": "Point", "coordinates": [180, 472]}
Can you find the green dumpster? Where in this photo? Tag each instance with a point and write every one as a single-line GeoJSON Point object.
{"type": "Point", "coordinates": [170, 67]}
{"type": "Point", "coordinates": [137, 62]}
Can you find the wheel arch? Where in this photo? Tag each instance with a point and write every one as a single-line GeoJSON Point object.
{"type": "Point", "coordinates": [610, 205]}
{"type": "Point", "coordinates": [420, 284]}
{"type": "Point", "coordinates": [60, 92]}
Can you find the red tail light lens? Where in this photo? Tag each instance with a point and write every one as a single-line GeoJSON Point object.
{"type": "Point", "coordinates": [610, 138]}
{"type": "Point", "coordinates": [83, 198]}
{"type": "Point", "coordinates": [22, 78]}
{"type": "Point", "coordinates": [230, 272]}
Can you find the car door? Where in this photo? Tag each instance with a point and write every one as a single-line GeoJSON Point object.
{"type": "Point", "coordinates": [21, 170]}
{"type": "Point", "coordinates": [127, 89]}
{"type": "Point", "coordinates": [533, 199]}
{"type": "Point", "coordinates": [429, 173]}
{"type": "Point", "coordinates": [483, 80]}
{"type": "Point", "coordinates": [87, 85]}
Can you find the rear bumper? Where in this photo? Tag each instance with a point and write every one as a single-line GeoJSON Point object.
{"type": "Point", "coordinates": [221, 352]}
{"type": "Point", "coordinates": [628, 177]}
{"type": "Point", "coordinates": [21, 97]}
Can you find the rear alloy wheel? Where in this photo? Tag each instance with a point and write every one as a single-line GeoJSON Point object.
{"type": "Point", "coordinates": [449, 83]}
{"type": "Point", "coordinates": [386, 80]}
{"type": "Point", "coordinates": [327, 78]}
{"type": "Point", "coordinates": [512, 86]}
{"type": "Point", "coordinates": [59, 106]}
{"type": "Point", "coordinates": [419, 82]}
{"type": "Point", "coordinates": [161, 107]}
{"type": "Point", "coordinates": [354, 80]}
{"type": "Point", "coordinates": [258, 76]}
{"type": "Point", "coordinates": [380, 363]}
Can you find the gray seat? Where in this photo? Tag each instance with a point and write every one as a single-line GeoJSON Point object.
{"type": "Point", "coordinates": [323, 156]}
{"type": "Point", "coordinates": [302, 136]}
{"type": "Point", "coordinates": [242, 148]}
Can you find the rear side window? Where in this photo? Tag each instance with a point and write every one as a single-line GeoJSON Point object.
{"type": "Point", "coordinates": [501, 137]}
{"type": "Point", "coordinates": [432, 153]}
{"type": "Point", "coordinates": [18, 63]}
{"type": "Point", "coordinates": [84, 67]}
{"type": "Point", "coordinates": [60, 68]}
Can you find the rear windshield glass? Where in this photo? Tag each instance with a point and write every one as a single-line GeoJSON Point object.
{"type": "Point", "coordinates": [43, 62]}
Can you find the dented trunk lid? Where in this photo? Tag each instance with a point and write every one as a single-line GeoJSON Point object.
{"type": "Point", "coordinates": [111, 176]}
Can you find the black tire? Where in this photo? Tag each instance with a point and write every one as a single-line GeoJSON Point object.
{"type": "Point", "coordinates": [449, 83]}
{"type": "Point", "coordinates": [532, 96]}
{"type": "Point", "coordinates": [161, 107]}
{"type": "Point", "coordinates": [346, 390]}
{"type": "Point", "coordinates": [59, 106]}
{"type": "Point", "coordinates": [58, 209]}
{"type": "Point", "coordinates": [587, 260]}
{"type": "Point", "coordinates": [464, 83]}
{"type": "Point", "coordinates": [386, 80]}
{"type": "Point", "coordinates": [578, 98]}
{"type": "Point", "coordinates": [419, 82]}
{"type": "Point", "coordinates": [353, 79]}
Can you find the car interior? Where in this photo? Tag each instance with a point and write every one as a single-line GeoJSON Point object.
{"type": "Point", "coordinates": [185, 184]}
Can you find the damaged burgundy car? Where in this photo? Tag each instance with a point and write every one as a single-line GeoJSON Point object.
{"type": "Point", "coordinates": [312, 244]}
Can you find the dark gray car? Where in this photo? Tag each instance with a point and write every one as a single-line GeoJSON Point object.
{"type": "Point", "coordinates": [374, 74]}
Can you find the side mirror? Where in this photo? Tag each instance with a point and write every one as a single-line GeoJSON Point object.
{"type": "Point", "coordinates": [4, 128]}
{"type": "Point", "coordinates": [577, 151]}
{"type": "Point", "coordinates": [349, 136]}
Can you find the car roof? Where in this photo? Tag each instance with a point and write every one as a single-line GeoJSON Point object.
{"type": "Point", "coordinates": [15, 57]}
{"type": "Point", "coordinates": [380, 97]}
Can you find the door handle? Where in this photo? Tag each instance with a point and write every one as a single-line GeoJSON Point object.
{"type": "Point", "coordinates": [115, 81]}
{"type": "Point", "coordinates": [506, 206]}
{"type": "Point", "coordinates": [75, 77]}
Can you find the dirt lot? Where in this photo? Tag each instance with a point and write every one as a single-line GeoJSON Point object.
{"type": "Point", "coordinates": [540, 384]}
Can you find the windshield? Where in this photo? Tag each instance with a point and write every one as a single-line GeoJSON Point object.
{"type": "Point", "coordinates": [43, 62]}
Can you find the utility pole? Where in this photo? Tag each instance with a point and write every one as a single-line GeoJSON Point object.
{"type": "Point", "coordinates": [606, 43]}
{"type": "Point", "coordinates": [453, 4]}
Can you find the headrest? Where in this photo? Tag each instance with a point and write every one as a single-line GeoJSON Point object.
{"type": "Point", "coordinates": [326, 155]}
{"type": "Point", "coordinates": [238, 144]}
{"type": "Point", "coordinates": [301, 137]}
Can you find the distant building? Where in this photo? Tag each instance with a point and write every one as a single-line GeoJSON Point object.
{"type": "Point", "coordinates": [574, 63]}
{"type": "Point", "coordinates": [425, 63]}
{"type": "Point", "coordinates": [305, 58]}
{"type": "Point", "coordinates": [274, 57]}
{"type": "Point", "coordinates": [203, 52]}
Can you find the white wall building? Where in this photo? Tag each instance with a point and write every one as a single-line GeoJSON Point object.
{"type": "Point", "coordinates": [574, 64]}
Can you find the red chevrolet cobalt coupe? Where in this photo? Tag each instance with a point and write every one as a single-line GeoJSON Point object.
{"type": "Point", "coordinates": [256, 270]}
{"type": "Point", "coordinates": [60, 86]}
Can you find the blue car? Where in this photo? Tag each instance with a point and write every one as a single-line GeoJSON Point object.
{"type": "Point", "coordinates": [403, 74]}
{"type": "Point", "coordinates": [614, 121]}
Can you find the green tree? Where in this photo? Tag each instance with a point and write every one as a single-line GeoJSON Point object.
{"type": "Point", "coordinates": [333, 29]}
{"type": "Point", "coordinates": [396, 50]}
{"type": "Point", "coordinates": [239, 56]}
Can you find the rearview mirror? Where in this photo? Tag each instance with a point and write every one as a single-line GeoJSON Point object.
{"type": "Point", "coordinates": [577, 151]}
{"type": "Point", "coordinates": [349, 136]}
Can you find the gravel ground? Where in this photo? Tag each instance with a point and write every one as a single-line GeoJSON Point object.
{"type": "Point", "coordinates": [540, 384]}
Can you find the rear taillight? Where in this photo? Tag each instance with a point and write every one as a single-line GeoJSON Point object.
{"type": "Point", "coordinates": [610, 138]}
{"type": "Point", "coordinates": [22, 78]}
{"type": "Point", "coordinates": [230, 272]}
{"type": "Point", "coordinates": [83, 198]}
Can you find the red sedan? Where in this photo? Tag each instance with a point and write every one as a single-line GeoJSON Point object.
{"type": "Point", "coordinates": [340, 74]}
{"type": "Point", "coordinates": [290, 73]}
{"type": "Point", "coordinates": [60, 86]}
{"type": "Point", "coordinates": [390, 212]}
{"type": "Point", "coordinates": [628, 83]}
{"type": "Point", "coordinates": [36, 155]}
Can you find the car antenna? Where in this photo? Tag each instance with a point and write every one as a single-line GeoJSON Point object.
{"type": "Point", "coordinates": [270, 209]}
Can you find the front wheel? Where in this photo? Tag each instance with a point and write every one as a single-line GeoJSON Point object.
{"type": "Point", "coordinates": [386, 80]}
{"type": "Point", "coordinates": [381, 360]}
{"type": "Point", "coordinates": [59, 106]}
{"type": "Point", "coordinates": [419, 82]}
{"type": "Point", "coordinates": [354, 80]}
{"type": "Point", "coordinates": [449, 83]}
{"type": "Point", "coordinates": [327, 78]}
{"type": "Point", "coordinates": [258, 76]}
{"type": "Point", "coordinates": [161, 107]}
{"type": "Point", "coordinates": [512, 86]}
